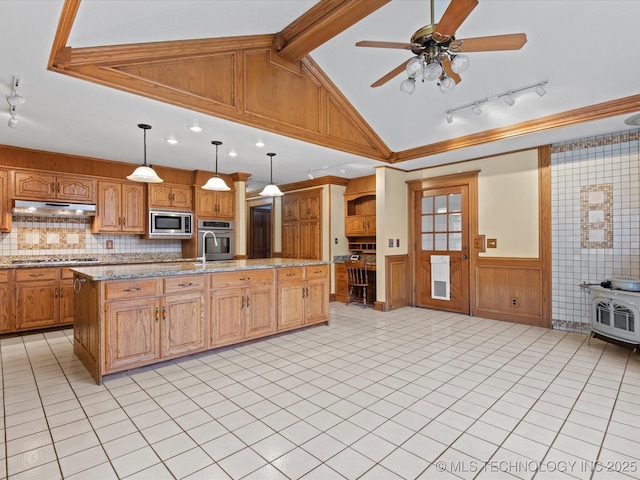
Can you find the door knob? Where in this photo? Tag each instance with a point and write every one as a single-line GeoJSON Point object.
{"type": "Point", "coordinates": [464, 257]}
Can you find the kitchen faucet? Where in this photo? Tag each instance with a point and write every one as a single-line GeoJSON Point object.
{"type": "Point", "coordinates": [204, 245]}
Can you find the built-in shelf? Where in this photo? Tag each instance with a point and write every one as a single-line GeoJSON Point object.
{"type": "Point", "coordinates": [364, 247]}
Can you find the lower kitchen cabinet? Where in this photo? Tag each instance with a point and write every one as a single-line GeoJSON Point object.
{"type": "Point", "coordinates": [242, 306]}
{"type": "Point", "coordinates": [44, 298]}
{"type": "Point", "coordinates": [303, 296]}
{"type": "Point", "coordinates": [7, 314]}
{"type": "Point", "coordinates": [342, 282]}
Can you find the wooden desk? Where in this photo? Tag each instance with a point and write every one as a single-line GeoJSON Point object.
{"type": "Point", "coordinates": [342, 287]}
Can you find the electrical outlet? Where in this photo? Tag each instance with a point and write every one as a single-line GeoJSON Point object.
{"type": "Point", "coordinates": [397, 242]}
{"type": "Point", "coordinates": [336, 241]}
{"type": "Point", "coordinates": [515, 302]}
{"type": "Point", "coordinates": [492, 243]}
{"type": "Point", "coordinates": [109, 244]}
{"type": "Point", "coordinates": [391, 243]}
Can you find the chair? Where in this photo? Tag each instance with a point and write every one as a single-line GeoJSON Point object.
{"type": "Point", "coordinates": [358, 277]}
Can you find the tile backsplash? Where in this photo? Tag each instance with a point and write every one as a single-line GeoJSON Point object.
{"type": "Point", "coordinates": [595, 220]}
{"type": "Point", "coordinates": [46, 236]}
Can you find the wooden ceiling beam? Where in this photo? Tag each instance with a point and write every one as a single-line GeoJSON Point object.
{"type": "Point", "coordinates": [322, 22]}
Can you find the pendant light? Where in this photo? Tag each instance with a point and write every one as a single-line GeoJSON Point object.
{"type": "Point", "coordinates": [215, 182]}
{"type": "Point", "coordinates": [145, 173]}
{"type": "Point", "coordinates": [272, 189]}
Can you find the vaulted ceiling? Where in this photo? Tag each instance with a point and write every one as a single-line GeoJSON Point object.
{"type": "Point", "coordinates": [288, 73]}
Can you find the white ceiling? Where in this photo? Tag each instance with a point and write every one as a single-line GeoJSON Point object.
{"type": "Point", "coordinates": [584, 49]}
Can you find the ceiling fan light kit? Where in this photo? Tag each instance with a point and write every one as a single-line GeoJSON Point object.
{"type": "Point", "coordinates": [438, 54]}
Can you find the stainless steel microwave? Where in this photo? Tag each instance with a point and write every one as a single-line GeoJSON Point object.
{"type": "Point", "coordinates": [170, 224]}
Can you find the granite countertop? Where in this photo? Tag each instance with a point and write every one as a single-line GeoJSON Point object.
{"type": "Point", "coordinates": [128, 271]}
{"type": "Point", "coordinates": [73, 261]}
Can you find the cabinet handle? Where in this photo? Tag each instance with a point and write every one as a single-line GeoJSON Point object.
{"type": "Point", "coordinates": [185, 284]}
{"type": "Point", "coordinates": [242, 306]}
{"type": "Point", "coordinates": [291, 274]}
{"type": "Point", "coordinates": [124, 221]}
{"type": "Point", "coordinates": [244, 279]}
{"type": "Point", "coordinates": [58, 187]}
{"type": "Point", "coordinates": [55, 294]}
{"type": "Point", "coordinates": [247, 301]}
{"type": "Point", "coordinates": [36, 274]}
{"type": "Point", "coordinates": [137, 289]}
{"type": "Point", "coordinates": [53, 186]}
{"type": "Point", "coordinates": [164, 313]}
{"type": "Point", "coordinates": [157, 314]}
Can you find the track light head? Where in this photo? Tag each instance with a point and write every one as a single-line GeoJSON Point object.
{"type": "Point", "coordinates": [509, 100]}
{"type": "Point", "coordinates": [476, 109]}
{"type": "Point", "coordinates": [449, 117]}
{"type": "Point", "coordinates": [540, 90]}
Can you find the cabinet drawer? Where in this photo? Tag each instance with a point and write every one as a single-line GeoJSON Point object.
{"type": "Point", "coordinates": [4, 276]}
{"type": "Point", "coordinates": [287, 274]}
{"type": "Point", "coordinates": [184, 283]}
{"type": "Point", "coordinates": [27, 274]}
{"type": "Point", "coordinates": [317, 271]}
{"type": "Point", "coordinates": [66, 273]}
{"type": "Point", "coordinates": [131, 289]}
{"type": "Point", "coordinates": [241, 278]}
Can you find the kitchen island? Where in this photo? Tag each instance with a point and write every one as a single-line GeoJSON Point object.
{"type": "Point", "coordinates": [128, 316]}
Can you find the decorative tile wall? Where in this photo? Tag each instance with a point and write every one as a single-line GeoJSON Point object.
{"type": "Point", "coordinates": [595, 220]}
{"type": "Point", "coordinates": [48, 236]}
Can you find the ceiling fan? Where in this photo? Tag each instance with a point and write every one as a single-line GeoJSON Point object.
{"type": "Point", "coordinates": [439, 55]}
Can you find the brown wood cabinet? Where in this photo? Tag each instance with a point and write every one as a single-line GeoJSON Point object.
{"type": "Point", "coordinates": [7, 313]}
{"type": "Point", "coordinates": [170, 196]}
{"type": "Point", "coordinates": [147, 320]}
{"type": "Point", "coordinates": [302, 225]}
{"type": "Point", "coordinates": [120, 208]}
{"type": "Point", "coordinates": [342, 282]}
{"type": "Point", "coordinates": [303, 296]}
{"type": "Point", "coordinates": [215, 204]}
{"type": "Point", "coordinates": [360, 207]}
{"type": "Point", "coordinates": [242, 305]}
{"type": "Point", "coordinates": [44, 298]}
{"type": "Point", "coordinates": [43, 186]}
{"type": "Point", "coordinates": [5, 203]}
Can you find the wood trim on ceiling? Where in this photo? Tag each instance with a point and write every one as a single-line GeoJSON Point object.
{"type": "Point", "coordinates": [320, 23]}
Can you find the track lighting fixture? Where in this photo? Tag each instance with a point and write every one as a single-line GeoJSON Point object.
{"type": "Point", "coordinates": [216, 182]}
{"type": "Point", "coordinates": [14, 100]}
{"type": "Point", "coordinates": [145, 173]}
{"type": "Point", "coordinates": [507, 96]}
{"type": "Point", "coordinates": [310, 175]}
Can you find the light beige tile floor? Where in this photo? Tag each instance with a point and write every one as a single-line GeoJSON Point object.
{"type": "Point", "coordinates": [412, 393]}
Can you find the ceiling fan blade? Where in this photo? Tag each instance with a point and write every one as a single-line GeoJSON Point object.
{"type": "Point", "coordinates": [454, 15]}
{"type": "Point", "coordinates": [393, 73]}
{"type": "Point", "coordinates": [371, 43]}
{"type": "Point", "coordinates": [514, 41]}
{"type": "Point", "coordinates": [445, 61]}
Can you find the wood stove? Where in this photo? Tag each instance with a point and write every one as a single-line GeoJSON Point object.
{"type": "Point", "coordinates": [615, 315]}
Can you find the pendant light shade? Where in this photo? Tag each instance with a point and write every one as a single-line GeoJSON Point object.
{"type": "Point", "coordinates": [215, 182]}
{"type": "Point", "coordinates": [145, 173]}
{"type": "Point", "coordinates": [272, 189]}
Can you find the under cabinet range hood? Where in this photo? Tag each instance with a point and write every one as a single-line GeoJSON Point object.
{"type": "Point", "coordinates": [53, 209]}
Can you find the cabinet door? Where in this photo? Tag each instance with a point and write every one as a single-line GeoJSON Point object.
{"type": "Point", "coordinates": [206, 203]}
{"type": "Point", "coordinates": [133, 211]}
{"type": "Point", "coordinates": [370, 224]}
{"type": "Point", "coordinates": [183, 323]}
{"type": "Point", "coordinates": [5, 206]}
{"type": "Point", "coordinates": [291, 309]}
{"type": "Point", "coordinates": [317, 300]}
{"type": "Point", "coordinates": [131, 333]}
{"type": "Point", "coordinates": [290, 240]}
{"type": "Point", "coordinates": [75, 189]}
{"type": "Point", "coordinates": [66, 295]}
{"type": "Point", "coordinates": [354, 225]}
{"type": "Point", "coordinates": [310, 207]}
{"type": "Point", "coordinates": [6, 312]}
{"type": "Point", "coordinates": [181, 197]}
{"type": "Point", "coordinates": [290, 207]}
{"type": "Point", "coordinates": [260, 311]}
{"type": "Point", "coordinates": [310, 240]}
{"type": "Point", "coordinates": [159, 196]}
{"type": "Point", "coordinates": [227, 315]}
{"type": "Point", "coordinates": [108, 215]}
{"type": "Point", "coordinates": [35, 185]}
{"type": "Point", "coordinates": [37, 304]}
{"type": "Point", "coordinates": [225, 205]}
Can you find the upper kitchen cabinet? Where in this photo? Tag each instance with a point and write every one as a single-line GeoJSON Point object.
{"type": "Point", "coordinates": [43, 186]}
{"type": "Point", "coordinates": [215, 204]}
{"type": "Point", "coordinates": [360, 207]}
{"type": "Point", "coordinates": [5, 206]}
{"type": "Point", "coordinates": [120, 208]}
{"type": "Point", "coordinates": [302, 225]}
{"type": "Point", "coordinates": [169, 196]}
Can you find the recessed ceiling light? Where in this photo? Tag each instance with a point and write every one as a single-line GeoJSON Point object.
{"type": "Point", "coordinates": [233, 154]}
{"type": "Point", "coordinates": [195, 128]}
{"type": "Point", "coordinates": [259, 144]}
{"type": "Point", "coordinates": [172, 141]}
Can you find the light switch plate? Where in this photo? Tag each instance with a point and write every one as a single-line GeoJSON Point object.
{"type": "Point", "coordinates": [492, 243]}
